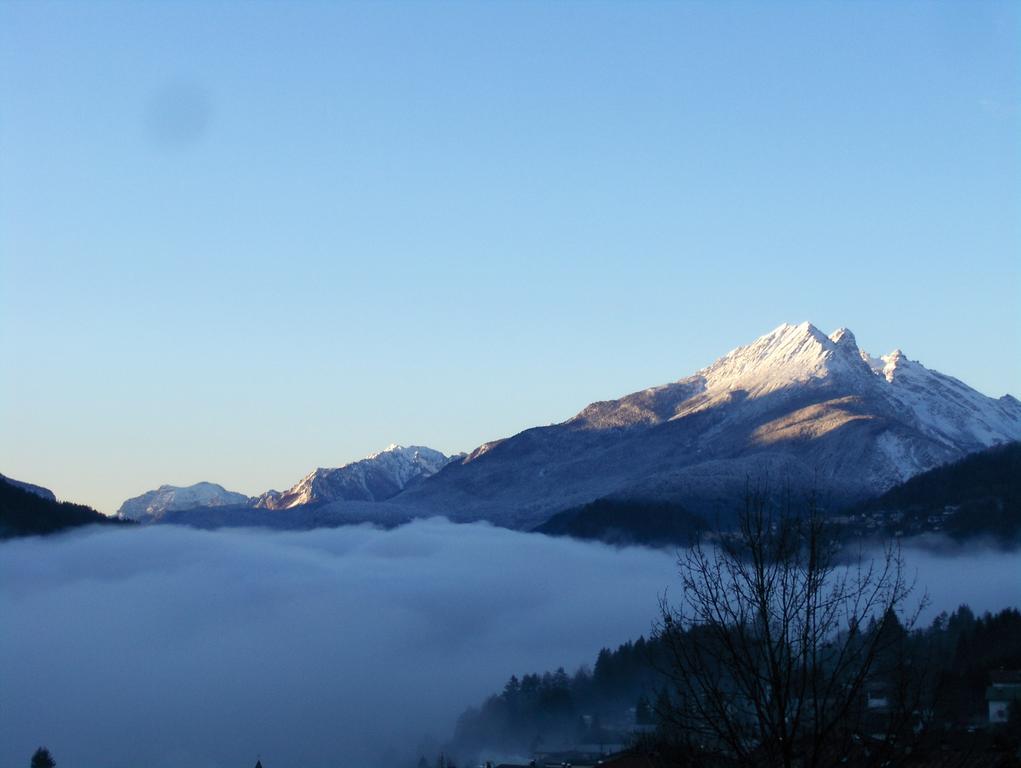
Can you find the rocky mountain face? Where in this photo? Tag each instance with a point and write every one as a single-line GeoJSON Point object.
{"type": "Point", "coordinates": [795, 406]}
{"type": "Point", "coordinates": [153, 505]}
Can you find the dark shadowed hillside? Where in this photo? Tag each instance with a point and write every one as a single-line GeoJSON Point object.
{"type": "Point", "coordinates": [626, 521]}
{"type": "Point", "coordinates": [979, 495]}
{"type": "Point", "coordinates": [24, 513]}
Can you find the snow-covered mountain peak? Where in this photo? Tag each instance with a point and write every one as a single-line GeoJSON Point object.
{"type": "Point", "coordinates": [377, 477]}
{"type": "Point", "coordinates": [152, 505]}
{"type": "Point", "coordinates": [780, 362]}
{"type": "Point", "coordinates": [812, 408]}
{"type": "Point", "coordinates": [946, 408]}
{"type": "Point", "coordinates": [844, 337]}
{"type": "Point", "coordinates": [787, 355]}
{"type": "Point", "coordinates": [895, 364]}
{"type": "Point", "coordinates": [415, 455]}
{"type": "Point", "coordinates": [798, 363]}
{"type": "Point", "coordinates": [787, 335]}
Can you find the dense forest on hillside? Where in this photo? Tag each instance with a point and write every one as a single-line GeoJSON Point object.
{"type": "Point", "coordinates": [606, 704]}
{"type": "Point", "coordinates": [980, 495]}
{"type": "Point", "coordinates": [23, 513]}
{"type": "Point", "coordinates": [977, 497]}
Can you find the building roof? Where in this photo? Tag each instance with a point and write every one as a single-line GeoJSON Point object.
{"type": "Point", "coordinates": [1005, 676]}
{"type": "Point", "coordinates": [1006, 693]}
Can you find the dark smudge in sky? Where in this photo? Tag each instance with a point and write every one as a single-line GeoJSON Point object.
{"type": "Point", "coordinates": [177, 115]}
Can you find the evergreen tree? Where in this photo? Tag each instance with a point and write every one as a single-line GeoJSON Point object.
{"type": "Point", "coordinates": [43, 759]}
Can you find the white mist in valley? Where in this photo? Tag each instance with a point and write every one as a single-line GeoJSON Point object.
{"type": "Point", "coordinates": [169, 646]}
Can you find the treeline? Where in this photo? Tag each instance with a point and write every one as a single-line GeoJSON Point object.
{"type": "Point", "coordinates": [604, 704]}
{"type": "Point", "coordinates": [542, 711]}
{"type": "Point", "coordinates": [967, 649]}
{"type": "Point", "coordinates": [23, 513]}
{"type": "Point", "coordinates": [982, 490]}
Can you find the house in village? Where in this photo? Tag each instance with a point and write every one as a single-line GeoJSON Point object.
{"type": "Point", "coordinates": [1004, 689]}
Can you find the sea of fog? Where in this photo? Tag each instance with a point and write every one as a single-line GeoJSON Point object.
{"type": "Point", "coordinates": [167, 646]}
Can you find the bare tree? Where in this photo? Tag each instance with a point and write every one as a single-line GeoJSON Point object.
{"type": "Point", "coordinates": [778, 638]}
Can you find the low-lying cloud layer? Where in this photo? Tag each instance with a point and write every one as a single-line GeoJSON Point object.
{"type": "Point", "coordinates": [170, 646]}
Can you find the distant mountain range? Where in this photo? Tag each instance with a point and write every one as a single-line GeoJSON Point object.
{"type": "Point", "coordinates": [375, 478]}
{"type": "Point", "coordinates": [797, 406]}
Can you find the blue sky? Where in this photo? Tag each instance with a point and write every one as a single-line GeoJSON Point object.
{"type": "Point", "coordinates": [241, 240]}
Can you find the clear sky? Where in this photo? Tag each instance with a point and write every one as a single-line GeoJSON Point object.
{"type": "Point", "coordinates": [242, 240]}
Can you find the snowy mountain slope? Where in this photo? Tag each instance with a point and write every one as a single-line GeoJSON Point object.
{"type": "Point", "coordinates": [796, 405]}
{"type": "Point", "coordinates": [374, 478]}
{"type": "Point", "coordinates": [153, 505]}
{"type": "Point", "coordinates": [948, 409]}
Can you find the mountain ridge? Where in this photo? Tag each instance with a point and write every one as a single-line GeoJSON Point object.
{"type": "Point", "coordinates": [807, 409]}
{"type": "Point", "coordinates": [795, 403]}
{"type": "Point", "coordinates": [375, 478]}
